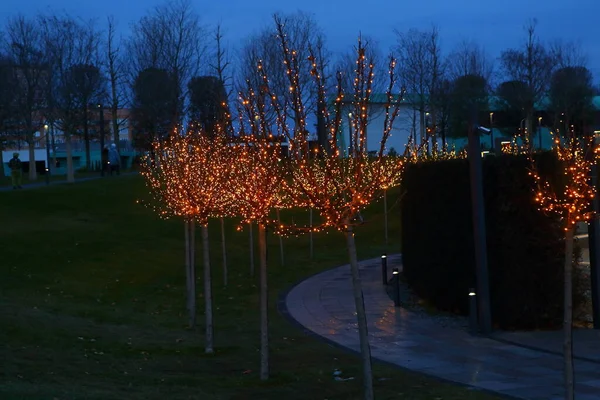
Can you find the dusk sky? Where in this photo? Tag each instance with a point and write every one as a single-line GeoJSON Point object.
{"type": "Point", "coordinates": [494, 24]}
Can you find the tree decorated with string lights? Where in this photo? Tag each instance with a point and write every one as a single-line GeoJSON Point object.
{"type": "Point", "coordinates": [572, 206]}
{"type": "Point", "coordinates": [256, 191]}
{"type": "Point", "coordinates": [337, 187]}
{"type": "Point", "coordinates": [188, 178]}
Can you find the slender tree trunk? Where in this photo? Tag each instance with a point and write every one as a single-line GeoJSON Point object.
{"type": "Point", "coordinates": [209, 347]}
{"type": "Point", "coordinates": [264, 304]}
{"type": "Point", "coordinates": [188, 278]}
{"type": "Point", "coordinates": [86, 138]}
{"type": "Point", "coordinates": [115, 127]}
{"type": "Point", "coordinates": [310, 235]}
{"type": "Point", "coordinates": [280, 240]}
{"type": "Point", "coordinates": [568, 317]}
{"type": "Point", "coordinates": [192, 227]}
{"type": "Point", "coordinates": [423, 132]}
{"type": "Point", "coordinates": [53, 148]}
{"type": "Point", "coordinates": [251, 249]}
{"type": "Point", "coordinates": [32, 170]}
{"type": "Point", "coordinates": [224, 247]}
{"type": "Point", "coordinates": [363, 335]}
{"type": "Point", "coordinates": [69, 148]}
{"type": "Point", "coordinates": [385, 217]}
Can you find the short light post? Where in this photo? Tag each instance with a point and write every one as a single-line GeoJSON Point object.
{"type": "Point", "coordinates": [47, 176]}
{"type": "Point", "coordinates": [473, 325]}
{"type": "Point", "coordinates": [396, 275]}
{"type": "Point", "coordinates": [384, 278]}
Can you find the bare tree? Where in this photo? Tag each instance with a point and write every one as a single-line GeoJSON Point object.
{"type": "Point", "coordinates": [170, 38]}
{"type": "Point", "coordinates": [8, 90]}
{"type": "Point", "coordinates": [25, 49]}
{"type": "Point", "coordinates": [469, 58]}
{"type": "Point", "coordinates": [421, 70]}
{"type": "Point", "coordinates": [347, 66]}
{"type": "Point", "coordinates": [75, 78]}
{"type": "Point", "coordinates": [567, 54]}
{"type": "Point", "coordinates": [221, 61]}
{"type": "Point", "coordinates": [303, 33]}
{"type": "Point", "coordinates": [115, 67]}
{"type": "Point", "coordinates": [221, 68]}
{"type": "Point", "coordinates": [532, 64]}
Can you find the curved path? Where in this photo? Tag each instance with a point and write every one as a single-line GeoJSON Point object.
{"type": "Point", "coordinates": [323, 304]}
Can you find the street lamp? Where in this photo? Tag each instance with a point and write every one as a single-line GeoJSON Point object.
{"type": "Point", "coordinates": [478, 218]}
{"type": "Point", "coordinates": [492, 131]}
{"type": "Point", "coordinates": [396, 275]}
{"type": "Point", "coordinates": [47, 151]}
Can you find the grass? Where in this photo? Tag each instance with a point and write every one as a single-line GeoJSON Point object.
{"type": "Point", "coordinates": [41, 179]}
{"type": "Point", "coordinates": [93, 307]}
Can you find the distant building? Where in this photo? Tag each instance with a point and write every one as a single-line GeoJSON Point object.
{"type": "Point", "coordinates": [410, 122]}
{"type": "Point", "coordinates": [50, 143]}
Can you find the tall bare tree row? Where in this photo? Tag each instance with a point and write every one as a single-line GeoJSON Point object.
{"type": "Point", "coordinates": [168, 44]}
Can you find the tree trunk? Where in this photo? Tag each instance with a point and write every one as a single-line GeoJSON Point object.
{"type": "Point", "coordinates": [264, 304]}
{"type": "Point", "coordinates": [188, 278]}
{"type": "Point", "coordinates": [208, 348]}
{"type": "Point", "coordinates": [385, 218]}
{"type": "Point", "coordinates": [86, 139]}
{"type": "Point", "coordinates": [32, 170]}
{"type": "Point", "coordinates": [53, 148]}
{"type": "Point", "coordinates": [363, 335]}
{"type": "Point", "coordinates": [115, 127]}
{"type": "Point", "coordinates": [70, 170]}
{"type": "Point", "coordinates": [251, 249]}
{"type": "Point", "coordinates": [224, 247]}
{"type": "Point", "coordinates": [280, 240]}
{"type": "Point", "coordinates": [310, 235]}
{"type": "Point", "coordinates": [192, 228]}
{"type": "Point", "coordinates": [422, 132]}
{"type": "Point", "coordinates": [568, 317]}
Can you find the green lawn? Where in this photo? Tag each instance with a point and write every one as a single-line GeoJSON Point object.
{"type": "Point", "coordinates": [92, 307]}
{"type": "Point", "coordinates": [6, 180]}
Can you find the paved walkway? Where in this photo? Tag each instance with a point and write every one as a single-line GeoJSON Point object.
{"type": "Point", "coordinates": [324, 305]}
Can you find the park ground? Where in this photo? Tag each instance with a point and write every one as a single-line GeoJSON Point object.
{"type": "Point", "coordinates": [93, 306]}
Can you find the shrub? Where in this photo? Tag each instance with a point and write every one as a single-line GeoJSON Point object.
{"type": "Point", "coordinates": [525, 247]}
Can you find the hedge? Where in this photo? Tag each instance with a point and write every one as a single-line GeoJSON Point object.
{"type": "Point", "coordinates": [525, 247]}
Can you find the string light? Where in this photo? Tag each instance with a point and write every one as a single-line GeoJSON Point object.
{"type": "Point", "coordinates": [577, 157]}
{"type": "Point", "coordinates": [339, 188]}
{"type": "Point", "coordinates": [188, 176]}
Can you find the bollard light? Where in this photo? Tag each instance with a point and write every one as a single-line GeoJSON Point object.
{"type": "Point", "coordinates": [396, 275]}
{"type": "Point", "coordinates": [473, 323]}
{"type": "Point", "coordinates": [384, 278]}
{"type": "Point", "coordinates": [47, 176]}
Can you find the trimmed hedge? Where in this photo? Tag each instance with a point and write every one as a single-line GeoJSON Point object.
{"type": "Point", "coordinates": [525, 247]}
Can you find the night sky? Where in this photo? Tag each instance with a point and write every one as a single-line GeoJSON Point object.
{"type": "Point", "coordinates": [494, 24]}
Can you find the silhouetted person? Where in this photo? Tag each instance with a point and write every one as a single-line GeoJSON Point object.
{"type": "Point", "coordinates": [114, 159]}
{"type": "Point", "coordinates": [104, 159]}
{"type": "Point", "coordinates": [16, 172]}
